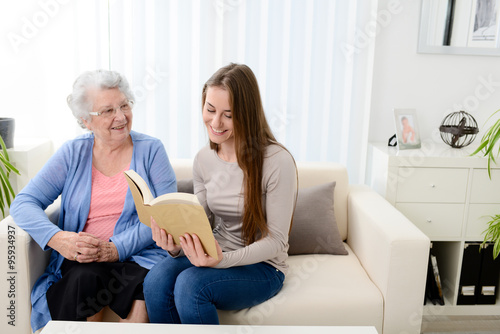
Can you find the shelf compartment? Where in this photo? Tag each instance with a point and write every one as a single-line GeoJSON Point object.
{"type": "Point", "coordinates": [446, 255]}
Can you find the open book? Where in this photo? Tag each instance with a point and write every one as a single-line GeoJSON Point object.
{"type": "Point", "coordinates": [176, 213]}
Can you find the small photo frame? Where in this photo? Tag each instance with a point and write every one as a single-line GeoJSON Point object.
{"type": "Point", "coordinates": [407, 129]}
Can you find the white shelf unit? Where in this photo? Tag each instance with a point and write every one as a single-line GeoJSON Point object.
{"type": "Point", "coordinates": [447, 194]}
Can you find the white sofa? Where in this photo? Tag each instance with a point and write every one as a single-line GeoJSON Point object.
{"type": "Point", "coordinates": [380, 283]}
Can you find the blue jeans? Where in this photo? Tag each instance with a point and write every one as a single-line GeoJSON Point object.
{"type": "Point", "coordinates": [175, 291]}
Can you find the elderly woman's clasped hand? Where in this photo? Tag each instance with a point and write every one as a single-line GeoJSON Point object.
{"type": "Point", "coordinates": [83, 247]}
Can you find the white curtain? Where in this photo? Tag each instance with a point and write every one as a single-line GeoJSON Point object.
{"type": "Point", "coordinates": [313, 72]}
{"type": "Point", "coordinates": [44, 46]}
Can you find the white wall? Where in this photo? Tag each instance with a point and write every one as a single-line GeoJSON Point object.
{"type": "Point", "coordinates": [434, 85]}
{"type": "Point", "coordinates": [38, 63]}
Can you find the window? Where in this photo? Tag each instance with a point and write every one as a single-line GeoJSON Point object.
{"type": "Point", "coordinates": [312, 58]}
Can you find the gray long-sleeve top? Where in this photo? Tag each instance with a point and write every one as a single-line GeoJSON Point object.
{"type": "Point", "coordinates": [219, 187]}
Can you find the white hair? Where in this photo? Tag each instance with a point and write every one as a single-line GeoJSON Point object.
{"type": "Point", "coordinates": [79, 102]}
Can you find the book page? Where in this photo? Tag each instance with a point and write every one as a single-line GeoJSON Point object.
{"type": "Point", "coordinates": [174, 198]}
{"type": "Point", "coordinates": [147, 196]}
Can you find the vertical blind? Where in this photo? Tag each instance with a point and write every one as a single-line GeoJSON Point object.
{"type": "Point", "coordinates": [315, 90]}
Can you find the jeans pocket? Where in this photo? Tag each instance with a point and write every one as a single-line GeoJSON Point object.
{"type": "Point", "coordinates": [276, 282]}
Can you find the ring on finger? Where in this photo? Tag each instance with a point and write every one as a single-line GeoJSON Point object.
{"type": "Point", "coordinates": [76, 257]}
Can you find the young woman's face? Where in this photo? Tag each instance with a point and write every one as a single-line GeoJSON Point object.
{"type": "Point", "coordinates": [217, 116]}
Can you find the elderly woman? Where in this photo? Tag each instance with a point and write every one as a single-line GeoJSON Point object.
{"type": "Point", "coordinates": [101, 252]}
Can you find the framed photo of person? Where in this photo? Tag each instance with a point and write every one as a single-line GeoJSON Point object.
{"type": "Point", "coordinates": [406, 129]}
{"type": "Point", "coordinates": [484, 25]}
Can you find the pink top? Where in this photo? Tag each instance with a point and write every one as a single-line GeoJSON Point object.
{"type": "Point", "coordinates": [106, 203]}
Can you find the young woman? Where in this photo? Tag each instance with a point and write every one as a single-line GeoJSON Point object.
{"type": "Point", "coordinates": [247, 183]}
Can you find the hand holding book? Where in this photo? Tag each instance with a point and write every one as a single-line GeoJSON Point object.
{"type": "Point", "coordinates": [192, 247]}
{"type": "Point", "coordinates": [164, 240]}
{"type": "Point", "coordinates": [176, 213]}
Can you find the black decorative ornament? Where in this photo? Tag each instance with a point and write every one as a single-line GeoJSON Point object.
{"type": "Point", "coordinates": [458, 129]}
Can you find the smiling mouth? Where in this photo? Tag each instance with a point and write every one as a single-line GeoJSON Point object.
{"type": "Point", "coordinates": [119, 127]}
{"type": "Point", "coordinates": [217, 132]}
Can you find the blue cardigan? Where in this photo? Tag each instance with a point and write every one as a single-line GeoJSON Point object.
{"type": "Point", "coordinates": [68, 173]}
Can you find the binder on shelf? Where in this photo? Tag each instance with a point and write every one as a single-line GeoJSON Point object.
{"type": "Point", "coordinates": [469, 274]}
{"type": "Point", "coordinates": [433, 288]}
{"type": "Point", "coordinates": [488, 279]}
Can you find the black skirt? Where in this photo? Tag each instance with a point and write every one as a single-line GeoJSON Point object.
{"type": "Point", "coordinates": [85, 288]}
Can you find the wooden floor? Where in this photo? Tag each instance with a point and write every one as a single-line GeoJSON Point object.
{"type": "Point", "coordinates": [461, 324]}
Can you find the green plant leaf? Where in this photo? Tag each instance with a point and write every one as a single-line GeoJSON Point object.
{"type": "Point", "coordinates": [489, 141]}
{"type": "Point", "coordinates": [492, 234]}
{"type": "Point", "coordinates": [493, 137]}
{"type": "Point", "coordinates": [4, 148]}
{"type": "Point", "coordinates": [4, 157]}
{"type": "Point", "coordinates": [2, 196]}
{"type": "Point", "coordinates": [489, 168]}
{"type": "Point", "coordinates": [7, 193]}
{"type": "Point", "coordinates": [480, 148]}
{"type": "Point", "coordinates": [8, 166]}
{"type": "Point", "coordinates": [6, 186]}
{"type": "Point", "coordinates": [2, 205]}
{"type": "Point", "coordinates": [491, 116]}
{"type": "Point", "coordinates": [496, 248]}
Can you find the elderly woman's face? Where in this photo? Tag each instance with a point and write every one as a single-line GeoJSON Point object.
{"type": "Point", "coordinates": [116, 127]}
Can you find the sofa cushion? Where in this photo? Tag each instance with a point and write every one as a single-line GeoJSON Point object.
{"type": "Point", "coordinates": [185, 186]}
{"type": "Point", "coordinates": [317, 173]}
{"type": "Point", "coordinates": [314, 229]}
{"type": "Point", "coordinates": [319, 290]}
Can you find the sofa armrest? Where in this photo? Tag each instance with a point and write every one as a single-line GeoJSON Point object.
{"type": "Point", "coordinates": [394, 253]}
{"type": "Point", "coordinates": [23, 261]}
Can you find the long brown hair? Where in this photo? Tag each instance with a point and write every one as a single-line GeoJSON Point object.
{"type": "Point", "coordinates": [252, 135]}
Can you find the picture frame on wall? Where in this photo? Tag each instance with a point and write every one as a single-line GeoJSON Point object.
{"type": "Point", "coordinates": [407, 131]}
{"type": "Point", "coordinates": [484, 26]}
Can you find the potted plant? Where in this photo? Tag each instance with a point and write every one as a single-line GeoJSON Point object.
{"type": "Point", "coordinates": [491, 150]}
{"type": "Point", "coordinates": [6, 192]}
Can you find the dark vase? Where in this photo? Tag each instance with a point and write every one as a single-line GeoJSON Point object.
{"type": "Point", "coordinates": [7, 127]}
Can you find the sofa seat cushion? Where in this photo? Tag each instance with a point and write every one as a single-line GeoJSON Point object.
{"type": "Point", "coordinates": [319, 289]}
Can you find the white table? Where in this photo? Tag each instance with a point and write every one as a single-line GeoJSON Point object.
{"type": "Point", "coordinates": [70, 327]}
